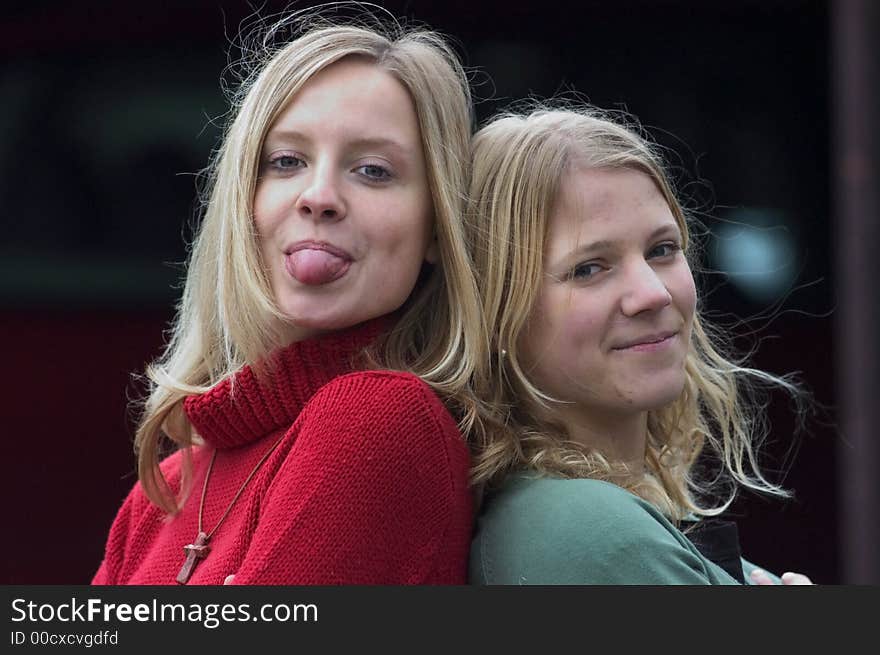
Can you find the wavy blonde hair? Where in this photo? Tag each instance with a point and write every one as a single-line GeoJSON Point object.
{"type": "Point", "coordinates": [518, 162]}
{"type": "Point", "coordinates": [227, 316]}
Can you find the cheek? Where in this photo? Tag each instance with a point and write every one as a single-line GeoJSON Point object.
{"type": "Point", "coordinates": [578, 320]}
{"type": "Point", "coordinates": [417, 208]}
{"type": "Point", "coordinates": [562, 331]}
{"type": "Point", "coordinates": [684, 292]}
{"type": "Point", "coordinates": [582, 326]}
{"type": "Point", "coordinates": [402, 230]}
{"type": "Point", "coordinates": [266, 211]}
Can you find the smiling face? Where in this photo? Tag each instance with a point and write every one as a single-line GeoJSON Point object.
{"type": "Point", "coordinates": [342, 208]}
{"type": "Point", "coordinates": [610, 329]}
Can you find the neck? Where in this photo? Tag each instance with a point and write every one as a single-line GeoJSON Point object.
{"type": "Point", "coordinates": [291, 333]}
{"type": "Point", "coordinates": [621, 438]}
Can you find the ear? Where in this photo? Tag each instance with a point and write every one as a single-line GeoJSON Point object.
{"type": "Point", "coordinates": [432, 254]}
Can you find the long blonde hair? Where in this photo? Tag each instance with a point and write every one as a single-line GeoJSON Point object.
{"type": "Point", "coordinates": [518, 162]}
{"type": "Point", "coordinates": [227, 317]}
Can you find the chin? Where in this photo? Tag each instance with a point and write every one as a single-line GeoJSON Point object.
{"type": "Point", "coordinates": [297, 326]}
{"type": "Point", "coordinates": [315, 325]}
{"type": "Point", "coordinates": [661, 393]}
{"type": "Point", "coordinates": [319, 317]}
{"type": "Point", "coordinates": [315, 312]}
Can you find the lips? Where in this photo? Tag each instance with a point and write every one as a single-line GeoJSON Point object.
{"type": "Point", "coordinates": [646, 340]}
{"type": "Point", "coordinates": [315, 263]}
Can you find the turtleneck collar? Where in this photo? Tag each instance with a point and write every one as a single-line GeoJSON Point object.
{"type": "Point", "coordinates": [246, 407]}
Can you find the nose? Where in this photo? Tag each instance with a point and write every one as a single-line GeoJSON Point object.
{"type": "Point", "coordinates": [645, 291]}
{"type": "Point", "coordinates": [320, 200]}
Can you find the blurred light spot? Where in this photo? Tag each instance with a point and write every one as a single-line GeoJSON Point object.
{"type": "Point", "coordinates": [756, 250]}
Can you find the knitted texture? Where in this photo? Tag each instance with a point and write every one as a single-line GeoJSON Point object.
{"type": "Point", "coordinates": [367, 486]}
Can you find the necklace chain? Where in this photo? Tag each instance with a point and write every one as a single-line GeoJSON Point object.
{"type": "Point", "coordinates": [237, 493]}
{"type": "Point", "coordinates": [199, 549]}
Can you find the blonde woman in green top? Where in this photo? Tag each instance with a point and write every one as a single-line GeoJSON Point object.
{"type": "Point", "coordinates": [614, 427]}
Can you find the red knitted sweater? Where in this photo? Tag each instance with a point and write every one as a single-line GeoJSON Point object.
{"type": "Point", "coordinates": [367, 486]}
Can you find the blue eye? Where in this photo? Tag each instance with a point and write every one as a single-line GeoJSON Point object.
{"type": "Point", "coordinates": [374, 172]}
{"type": "Point", "coordinates": [584, 271]}
{"type": "Point", "coordinates": [286, 162]}
{"type": "Point", "coordinates": [664, 250]}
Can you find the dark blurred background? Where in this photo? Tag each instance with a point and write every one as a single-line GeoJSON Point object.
{"type": "Point", "coordinates": [768, 114]}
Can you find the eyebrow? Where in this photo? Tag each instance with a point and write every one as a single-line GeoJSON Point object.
{"type": "Point", "coordinates": [608, 244]}
{"type": "Point", "coordinates": [379, 142]}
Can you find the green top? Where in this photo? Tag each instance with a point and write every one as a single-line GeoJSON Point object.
{"type": "Point", "coordinates": [546, 531]}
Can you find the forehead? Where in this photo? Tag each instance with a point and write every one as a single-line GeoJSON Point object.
{"type": "Point", "coordinates": [603, 204]}
{"type": "Point", "coordinates": [351, 96]}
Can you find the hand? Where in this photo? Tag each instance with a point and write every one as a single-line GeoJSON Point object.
{"type": "Point", "coordinates": [790, 578]}
{"type": "Point", "coordinates": [760, 577]}
{"type": "Point", "coordinates": [229, 579]}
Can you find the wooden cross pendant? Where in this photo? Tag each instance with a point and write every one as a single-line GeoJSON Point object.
{"type": "Point", "coordinates": [194, 552]}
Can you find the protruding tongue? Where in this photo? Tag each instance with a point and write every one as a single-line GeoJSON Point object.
{"type": "Point", "coordinates": [312, 266]}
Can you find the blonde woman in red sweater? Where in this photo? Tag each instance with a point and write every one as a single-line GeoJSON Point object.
{"type": "Point", "coordinates": [313, 386]}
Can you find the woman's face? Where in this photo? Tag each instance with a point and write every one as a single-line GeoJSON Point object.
{"type": "Point", "coordinates": [342, 207]}
{"type": "Point", "coordinates": [612, 323]}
